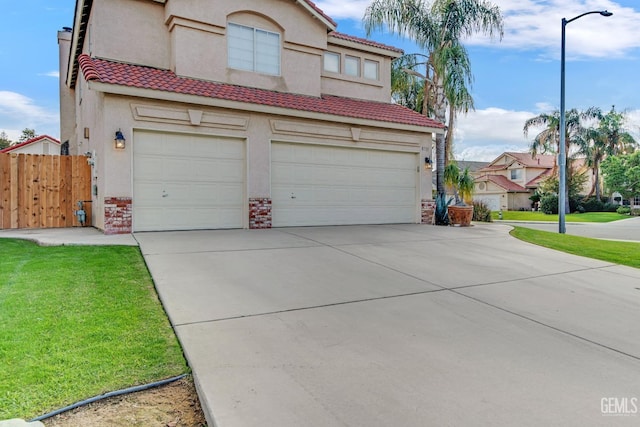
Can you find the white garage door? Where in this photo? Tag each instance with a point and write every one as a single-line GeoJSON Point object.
{"type": "Point", "coordinates": [322, 185]}
{"type": "Point", "coordinates": [492, 201]}
{"type": "Point", "coordinates": [187, 182]}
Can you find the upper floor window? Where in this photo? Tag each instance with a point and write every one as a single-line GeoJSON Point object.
{"type": "Point", "coordinates": [371, 69]}
{"type": "Point", "coordinates": [516, 174]}
{"type": "Point", "coordinates": [253, 49]}
{"type": "Point", "coordinates": [332, 62]}
{"type": "Point", "coordinates": [352, 66]}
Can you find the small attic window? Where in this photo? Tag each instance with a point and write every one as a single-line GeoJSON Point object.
{"type": "Point", "coordinates": [352, 66]}
{"type": "Point", "coordinates": [516, 174]}
{"type": "Point", "coordinates": [332, 62]}
{"type": "Point", "coordinates": [371, 69]}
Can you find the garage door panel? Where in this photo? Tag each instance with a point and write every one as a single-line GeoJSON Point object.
{"type": "Point", "coordinates": [184, 182]}
{"type": "Point", "coordinates": [333, 185]}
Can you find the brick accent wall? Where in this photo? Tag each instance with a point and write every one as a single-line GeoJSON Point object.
{"type": "Point", "coordinates": [117, 215]}
{"type": "Point", "coordinates": [259, 212]}
{"type": "Point", "coordinates": [428, 211]}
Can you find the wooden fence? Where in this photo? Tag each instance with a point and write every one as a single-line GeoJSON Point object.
{"type": "Point", "coordinates": [41, 191]}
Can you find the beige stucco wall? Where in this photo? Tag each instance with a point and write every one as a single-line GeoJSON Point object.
{"type": "Point", "coordinates": [340, 84]}
{"type": "Point", "coordinates": [129, 31]}
{"type": "Point", "coordinates": [189, 38]}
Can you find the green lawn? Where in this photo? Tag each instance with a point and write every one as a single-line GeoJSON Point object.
{"type": "Point", "coordinates": [75, 322]}
{"type": "Point", "coordinates": [624, 253]}
{"type": "Point", "coordinates": [574, 217]}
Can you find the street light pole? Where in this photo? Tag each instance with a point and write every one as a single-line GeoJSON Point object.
{"type": "Point", "coordinates": [562, 156]}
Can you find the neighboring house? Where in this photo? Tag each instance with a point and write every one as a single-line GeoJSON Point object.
{"type": "Point", "coordinates": [511, 179]}
{"type": "Point", "coordinates": [43, 144]}
{"type": "Point", "coordinates": [237, 114]}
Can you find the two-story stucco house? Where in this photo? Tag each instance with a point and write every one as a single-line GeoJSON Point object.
{"type": "Point", "coordinates": [508, 182]}
{"type": "Point", "coordinates": [237, 114]}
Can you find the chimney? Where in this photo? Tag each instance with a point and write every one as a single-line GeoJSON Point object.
{"type": "Point", "coordinates": [67, 99]}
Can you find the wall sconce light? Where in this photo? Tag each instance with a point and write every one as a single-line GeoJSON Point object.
{"type": "Point", "coordinates": [427, 162]}
{"type": "Point", "coordinates": [119, 140]}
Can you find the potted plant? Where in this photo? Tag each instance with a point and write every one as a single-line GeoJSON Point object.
{"type": "Point", "coordinates": [463, 186]}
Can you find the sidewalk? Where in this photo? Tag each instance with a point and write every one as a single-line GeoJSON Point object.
{"type": "Point", "coordinates": [69, 236]}
{"type": "Point", "coordinates": [624, 230]}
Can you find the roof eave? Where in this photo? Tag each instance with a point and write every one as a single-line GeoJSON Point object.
{"type": "Point", "coordinates": [247, 106]}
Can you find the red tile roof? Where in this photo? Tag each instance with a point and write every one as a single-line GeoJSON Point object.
{"type": "Point", "coordinates": [137, 76]}
{"type": "Point", "coordinates": [28, 142]}
{"type": "Point", "coordinates": [324, 15]}
{"type": "Point", "coordinates": [503, 182]}
{"type": "Point", "coordinates": [540, 160]}
{"type": "Point", "coordinates": [364, 41]}
{"type": "Point", "coordinates": [535, 181]}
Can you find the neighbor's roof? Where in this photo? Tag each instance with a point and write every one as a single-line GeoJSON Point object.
{"type": "Point", "coordinates": [365, 42]}
{"type": "Point", "coordinates": [503, 182]}
{"type": "Point", "coordinates": [543, 161]}
{"type": "Point", "coordinates": [29, 142]}
{"type": "Point", "coordinates": [137, 76]}
{"type": "Point", "coordinates": [536, 181]}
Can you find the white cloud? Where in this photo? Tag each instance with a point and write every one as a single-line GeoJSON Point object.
{"type": "Point", "coordinates": [55, 74]}
{"type": "Point", "coordinates": [340, 9]}
{"type": "Point", "coordinates": [18, 112]}
{"type": "Point", "coordinates": [536, 24]}
{"type": "Point", "coordinates": [482, 135]}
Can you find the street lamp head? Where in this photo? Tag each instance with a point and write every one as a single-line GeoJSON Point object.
{"type": "Point", "coordinates": [606, 13]}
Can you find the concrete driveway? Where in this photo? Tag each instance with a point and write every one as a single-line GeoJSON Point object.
{"type": "Point", "coordinates": [403, 325]}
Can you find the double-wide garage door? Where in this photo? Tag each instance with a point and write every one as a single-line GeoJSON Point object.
{"type": "Point", "coordinates": [187, 182]}
{"type": "Point", "coordinates": [324, 185]}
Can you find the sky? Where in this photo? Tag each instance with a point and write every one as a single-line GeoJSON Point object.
{"type": "Point", "coordinates": [515, 78]}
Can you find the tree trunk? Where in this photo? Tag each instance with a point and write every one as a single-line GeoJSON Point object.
{"type": "Point", "coordinates": [440, 110]}
{"type": "Point", "coordinates": [448, 147]}
{"type": "Point", "coordinates": [596, 173]}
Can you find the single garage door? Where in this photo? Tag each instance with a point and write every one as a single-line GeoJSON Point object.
{"type": "Point", "coordinates": [492, 201]}
{"type": "Point", "coordinates": [323, 185]}
{"type": "Point", "coordinates": [187, 182]}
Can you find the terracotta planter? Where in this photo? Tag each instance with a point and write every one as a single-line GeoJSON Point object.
{"type": "Point", "coordinates": [460, 215]}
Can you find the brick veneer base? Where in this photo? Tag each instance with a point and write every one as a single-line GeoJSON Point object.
{"type": "Point", "coordinates": [117, 215]}
{"type": "Point", "coordinates": [259, 213]}
{"type": "Point", "coordinates": [428, 211]}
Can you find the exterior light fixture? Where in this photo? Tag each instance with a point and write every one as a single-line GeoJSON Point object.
{"type": "Point", "coordinates": [119, 140]}
{"type": "Point", "coordinates": [562, 155]}
{"type": "Point", "coordinates": [427, 162]}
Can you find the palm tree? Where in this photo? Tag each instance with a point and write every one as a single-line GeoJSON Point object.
{"type": "Point", "coordinates": [609, 138]}
{"type": "Point", "coordinates": [407, 89]}
{"type": "Point", "coordinates": [439, 28]}
{"type": "Point", "coordinates": [548, 140]}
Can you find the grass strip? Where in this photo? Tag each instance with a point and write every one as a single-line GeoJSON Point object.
{"type": "Point", "coordinates": [599, 217]}
{"type": "Point", "coordinates": [75, 322]}
{"type": "Point", "coordinates": [624, 253]}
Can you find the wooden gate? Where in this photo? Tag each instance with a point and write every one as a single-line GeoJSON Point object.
{"type": "Point", "coordinates": [41, 191]}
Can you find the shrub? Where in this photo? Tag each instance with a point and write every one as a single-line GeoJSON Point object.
{"type": "Point", "coordinates": [441, 214]}
{"type": "Point", "coordinates": [610, 207]}
{"type": "Point", "coordinates": [580, 209]}
{"type": "Point", "coordinates": [592, 205]}
{"type": "Point", "coordinates": [635, 212]}
{"type": "Point", "coordinates": [549, 204]}
{"type": "Point", "coordinates": [623, 210]}
{"type": "Point", "coordinates": [481, 212]}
